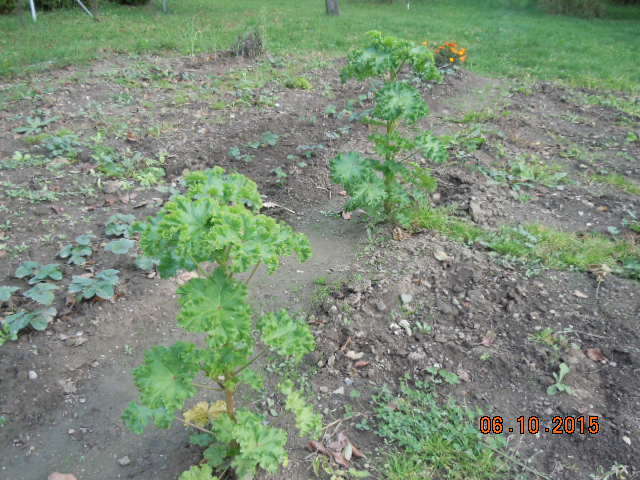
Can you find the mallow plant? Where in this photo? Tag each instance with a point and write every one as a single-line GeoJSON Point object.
{"type": "Point", "coordinates": [388, 186]}
{"type": "Point", "coordinates": [215, 230]}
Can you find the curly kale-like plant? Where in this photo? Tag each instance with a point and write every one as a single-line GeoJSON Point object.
{"type": "Point", "coordinates": [389, 186]}
{"type": "Point", "coordinates": [217, 221]}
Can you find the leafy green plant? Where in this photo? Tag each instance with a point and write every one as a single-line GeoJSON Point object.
{"type": "Point", "coordinates": [79, 253]}
{"type": "Point", "coordinates": [120, 246]}
{"type": "Point", "coordinates": [118, 225]}
{"type": "Point", "coordinates": [439, 375]}
{"type": "Point", "coordinates": [63, 144]}
{"type": "Point", "coordinates": [102, 285]}
{"type": "Point", "coordinates": [217, 222]}
{"type": "Point", "coordinates": [386, 186]}
{"type": "Point", "coordinates": [35, 125]}
{"type": "Point", "coordinates": [13, 324]}
{"type": "Point", "coordinates": [6, 291]}
{"type": "Point", "coordinates": [300, 83]}
{"type": "Point", "coordinates": [558, 386]}
{"type": "Point", "coordinates": [435, 439]}
{"type": "Point", "coordinates": [38, 272]}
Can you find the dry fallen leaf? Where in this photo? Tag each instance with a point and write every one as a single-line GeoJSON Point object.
{"type": "Point", "coordinates": [346, 215]}
{"type": "Point", "coordinates": [399, 234]}
{"type": "Point", "coordinates": [580, 294]}
{"type": "Point", "coordinates": [595, 354]}
{"type": "Point", "coordinates": [489, 338]}
{"type": "Point", "coordinates": [354, 355]}
{"type": "Point", "coordinates": [184, 277]}
{"type": "Point", "coordinates": [441, 256]}
{"type": "Point", "coordinates": [361, 364]}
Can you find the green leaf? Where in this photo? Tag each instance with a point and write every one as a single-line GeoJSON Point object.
{"type": "Point", "coordinates": [198, 472]}
{"type": "Point", "coordinates": [145, 263]}
{"type": "Point", "coordinates": [229, 189]}
{"type": "Point", "coordinates": [261, 446]}
{"type": "Point", "coordinates": [119, 225]}
{"type": "Point", "coordinates": [38, 320]}
{"type": "Point", "coordinates": [307, 421]}
{"type": "Point", "coordinates": [349, 168]}
{"type": "Point", "coordinates": [16, 322]}
{"type": "Point", "coordinates": [369, 194]}
{"type": "Point", "coordinates": [270, 138]}
{"type": "Point", "coordinates": [431, 147]}
{"type": "Point", "coordinates": [252, 378]}
{"type": "Point", "coordinates": [286, 335]}
{"type": "Point", "coordinates": [120, 247]}
{"type": "Point", "coordinates": [102, 285]}
{"type": "Point", "coordinates": [399, 100]}
{"type": "Point", "coordinates": [165, 379]}
{"type": "Point", "coordinates": [216, 454]}
{"type": "Point", "coordinates": [42, 293]}
{"type": "Point", "coordinates": [216, 305]}
{"type": "Point", "coordinates": [85, 240]}
{"type": "Point", "coordinates": [201, 439]}
{"type": "Point", "coordinates": [43, 272]}
{"type": "Point", "coordinates": [6, 291]}
{"type": "Point", "coordinates": [136, 417]}
{"type": "Point", "coordinates": [26, 268]}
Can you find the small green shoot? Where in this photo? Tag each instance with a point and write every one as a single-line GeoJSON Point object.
{"type": "Point", "coordinates": [558, 386]}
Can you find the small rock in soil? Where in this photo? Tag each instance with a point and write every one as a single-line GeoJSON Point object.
{"type": "Point", "coordinates": [61, 476]}
{"type": "Point", "coordinates": [406, 298]}
{"type": "Point", "coordinates": [124, 461]}
{"type": "Point", "coordinates": [380, 306]}
{"type": "Point", "coordinates": [33, 375]}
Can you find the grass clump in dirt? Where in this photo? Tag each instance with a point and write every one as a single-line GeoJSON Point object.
{"type": "Point", "coordinates": [619, 181]}
{"type": "Point", "coordinates": [435, 439]}
{"type": "Point", "coordinates": [537, 244]}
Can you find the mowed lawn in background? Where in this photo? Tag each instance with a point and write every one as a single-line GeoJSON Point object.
{"type": "Point", "coordinates": [503, 40]}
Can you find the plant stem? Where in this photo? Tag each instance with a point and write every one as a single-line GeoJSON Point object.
{"type": "Point", "coordinates": [253, 272]}
{"type": "Point", "coordinates": [189, 424]}
{"type": "Point", "coordinates": [207, 387]}
{"type": "Point", "coordinates": [260, 355]}
{"type": "Point", "coordinates": [230, 404]}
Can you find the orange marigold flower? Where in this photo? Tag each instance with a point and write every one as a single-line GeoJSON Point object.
{"type": "Point", "coordinates": [463, 58]}
{"type": "Point", "coordinates": [452, 60]}
{"type": "Point", "coordinates": [451, 44]}
{"type": "Point", "coordinates": [425, 43]}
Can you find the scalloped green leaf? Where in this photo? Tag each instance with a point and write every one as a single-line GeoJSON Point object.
{"type": "Point", "coordinates": [286, 335]}
{"type": "Point", "coordinates": [136, 417]}
{"type": "Point", "coordinates": [102, 285]}
{"type": "Point", "coordinates": [399, 100]}
{"type": "Point", "coordinates": [198, 472]}
{"type": "Point", "coordinates": [120, 246]}
{"type": "Point", "coordinates": [26, 268]}
{"type": "Point", "coordinates": [308, 422]}
{"type": "Point", "coordinates": [6, 291]}
{"type": "Point", "coordinates": [43, 272]}
{"type": "Point", "coordinates": [431, 147]}
{"type": "Point", "coordinates": [43, 293]}
{"type": "Point", "coordinates": [165, 379]}
{"type": "Point", "coordinates": [119, 225]}
{"type": "Point", "coordinates": [216, 305]}
{"type": "Point", "coordinates": [369, 194]}
{"type": "Point", "coordinates": [229, 189]}
{"type": "Point", "coordinates": [348, 168]}
{"type": "Point", "coordinates": [260, 446]}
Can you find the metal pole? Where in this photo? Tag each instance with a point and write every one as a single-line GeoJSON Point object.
{"type": "Point", "coordinates": [88, 12]}
{"type": "Point", "coordinates": [33, 10]}
{"type": "Point", "coordinates": [165, 7]}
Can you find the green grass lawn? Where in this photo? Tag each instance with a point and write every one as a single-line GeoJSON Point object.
{"type": "Point", "coordinates": [503, 40]}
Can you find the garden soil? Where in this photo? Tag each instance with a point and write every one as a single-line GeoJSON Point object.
{"type": "Point", "coordinates": [400, 303]}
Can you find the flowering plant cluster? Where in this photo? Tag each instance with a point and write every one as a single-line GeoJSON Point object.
{"type": "Point", "coordinates": [448, 54]}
